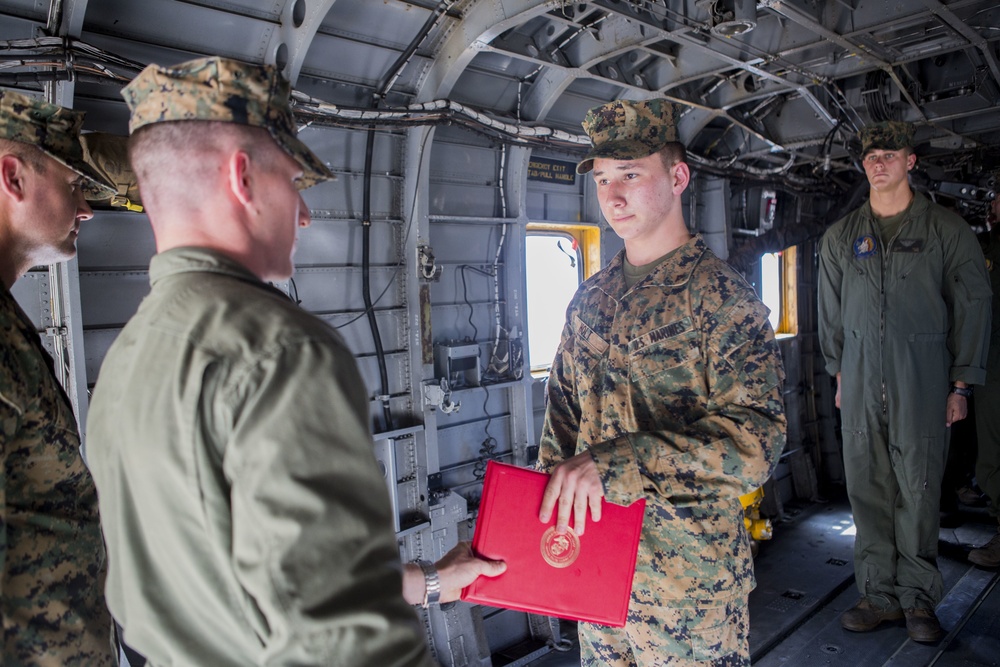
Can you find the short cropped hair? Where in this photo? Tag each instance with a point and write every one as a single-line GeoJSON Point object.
{"type": "Point", "coordinates": [29, 154]}
{"type": "Point", "coordinates": [673, 153]}
{"type": "Point", "coordinates": [173, 158]}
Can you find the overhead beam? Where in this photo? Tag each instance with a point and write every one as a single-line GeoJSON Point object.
{"type": "Point", "coordinates": [948, 17]}
{"type": "Point", "coordinates": [289, 44]}
{"type": "Point", "coordinates": [795, 14]}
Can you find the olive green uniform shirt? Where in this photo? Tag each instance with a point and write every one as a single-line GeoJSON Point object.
{"type": "Point", "coordinates": [51, 553]}
{"type": "Point", "coordinates": [246, 517]}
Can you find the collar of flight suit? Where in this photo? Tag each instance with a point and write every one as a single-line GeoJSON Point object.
{"type": "Point", "coordinates": [193, 259]}
{"type": "Point", "coordinates": [917, 207]}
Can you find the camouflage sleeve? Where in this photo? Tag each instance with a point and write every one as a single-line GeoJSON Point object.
{"type": "Point", "coordinates": [734, 444]}
{"type": "Point", "coordinates": [831, 326]}
{"type": "Point", "coordinates": [967, 291]}
{"type": "Point", "coordinates": [562, 415]}
{"type": "Point", "coordinates": [10, 422]}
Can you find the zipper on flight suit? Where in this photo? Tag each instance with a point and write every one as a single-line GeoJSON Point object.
{"type": "Point", "coordinates": [881, 324]}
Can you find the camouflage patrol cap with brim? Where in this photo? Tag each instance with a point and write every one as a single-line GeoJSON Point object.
{"type": "Point", "coordinates": [55, 130]}
{"type": "Point", "coordinates": [227, 91]}
{"type": "Point", "coordinates": [628, 130]}
{"type": "Point", "coordinates": [889, 135]}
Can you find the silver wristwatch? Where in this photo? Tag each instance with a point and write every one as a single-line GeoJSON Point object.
{"type": "Point", "coordinates": [432, 583]}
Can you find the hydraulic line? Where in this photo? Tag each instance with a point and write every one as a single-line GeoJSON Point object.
{"type": "Point", "coordinates": [366, 224]}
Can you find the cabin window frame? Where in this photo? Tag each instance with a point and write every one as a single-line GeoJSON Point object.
{"type": "Point", "coordinates": [587, 239]}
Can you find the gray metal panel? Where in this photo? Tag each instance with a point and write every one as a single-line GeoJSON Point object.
{"type": "Point", "coordinates": [95, 344]}
{"type": "Point", "coordinates": [110, 298]}
{"type": "Point", "coordinates": [331, 242]}
{"type": "Point", "coordinates": [115, 240]}
{"type": "Point", "coordinates": [205, 30]}
{"type": "Point", "coordinates": [32, 293]}
{"type": "Point", "coordinates": [358, 336]}
{"type": "Point", "coordinates": [338, 289]}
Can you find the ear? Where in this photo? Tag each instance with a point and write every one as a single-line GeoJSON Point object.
{"type": "Point", "coordinates": [911, 161]}
{"type": "Point", "coordinates": [12, 170]}
{"type": "Point", "coordinates": [239, 177]}
{"type": "Point", "coordinates": [682, 177]}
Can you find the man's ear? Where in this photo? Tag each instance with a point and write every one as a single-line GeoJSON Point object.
{"type": "Point", "coordinates": [911, 161]}
{"type": "Point", "coordinates": [12, 170]}
{"type": "Point", "coordinates": [682, 177]}
{"type": "Point", "coordinates": [240, 181]}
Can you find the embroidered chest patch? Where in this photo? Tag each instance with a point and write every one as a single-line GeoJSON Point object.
{"type": "Point", "coordinates": [865, 246]}
{"type": "Point", "coordinates": [908, 245]}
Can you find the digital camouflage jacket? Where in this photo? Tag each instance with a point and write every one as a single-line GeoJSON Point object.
{"type": "Point", "coordinates": [674, 387]}
{"type": "Point", "coordinates": [52, 557]}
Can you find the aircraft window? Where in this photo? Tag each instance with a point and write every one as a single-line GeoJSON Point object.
{"type": "Point", "coordinates": [554, 268]}
{"type": "Point", "coordinates": [778, 289]}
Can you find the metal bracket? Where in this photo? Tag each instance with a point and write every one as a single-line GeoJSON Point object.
{"type": "Point", "coordinates": [438, 395]}
{"type": "Point", "coordinates": [56, 332]}
{"type": "Point", "coordinates": [429, 270]}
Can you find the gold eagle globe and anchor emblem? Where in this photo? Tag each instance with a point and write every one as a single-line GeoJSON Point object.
{"type": "Point", "coordinates": [560, 549]}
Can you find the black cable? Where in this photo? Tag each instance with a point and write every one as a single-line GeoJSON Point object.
{"type": "Point", "coordinates": [465, 295]}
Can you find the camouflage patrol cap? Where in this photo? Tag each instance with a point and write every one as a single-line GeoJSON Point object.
{"type": "Point", "coordinates": [223, 90]}
{"type": "Point", "coordinates": [889, 135]}
{"type": "Point", "coordinates": [628, 130]}
{"type": "Point", "coordinates": [55, 130]}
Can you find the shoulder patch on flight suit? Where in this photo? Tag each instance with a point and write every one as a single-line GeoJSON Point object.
{"type": "Point", "coordinates": [989, 265]}
{"type": "Point", "coordinates": [908, 245]}
{"type": "Point", "coordinates": [865, 246]}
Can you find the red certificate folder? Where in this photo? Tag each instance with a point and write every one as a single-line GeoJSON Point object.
{"type": "Point", "coordinates": [587, 578]}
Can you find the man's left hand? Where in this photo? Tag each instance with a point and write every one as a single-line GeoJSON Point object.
{"type": "Point", "coordinates": [956, 410]}
{"type": "Point", "coordinates": [460, 567]}
{"type": "Point", "coordinates": [575, 486]}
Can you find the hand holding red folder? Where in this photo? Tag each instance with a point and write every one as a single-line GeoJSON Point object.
{"type": "Point", "coordinates": [576, 486]}
{"type": "Point", "coordinates": [581, 577]}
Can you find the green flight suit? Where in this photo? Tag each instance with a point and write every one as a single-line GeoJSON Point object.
{"type": "Point", "coordinates": [988, 396]}
{"type": "Point", "coordinates": [246, 517]}
{"type": "Point", "coordinates": [52, 561]}
{"type": "Point", "coordinates": [900, 326]}
{"type": "Point", "coordinates": [674, 387]}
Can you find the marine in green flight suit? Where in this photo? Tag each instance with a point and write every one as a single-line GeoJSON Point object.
{"type": "Point", "coordinates": [903, 322]}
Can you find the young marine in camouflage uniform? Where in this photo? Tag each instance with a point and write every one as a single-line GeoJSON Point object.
{"type": "Point", "coordinates": [246, 517]}
{"type": "Point", "coordinates": [51, 555]}
{"type": "Point", "coordinates": [988, 396]}
{"type": "Point", "coordinates": [666, 386]}
{"type": "Point", "coordinates": [904, 324]}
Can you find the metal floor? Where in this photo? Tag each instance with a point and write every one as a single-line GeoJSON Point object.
{"type": "Point", "coordinates": [805, 580]}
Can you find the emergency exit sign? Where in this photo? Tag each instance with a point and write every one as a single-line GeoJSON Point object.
{"type": "Point", "coordinates": [552, 171]}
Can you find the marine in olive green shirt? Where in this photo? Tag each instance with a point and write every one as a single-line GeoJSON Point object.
{"type": "Point", "coordinates": [245, 514]}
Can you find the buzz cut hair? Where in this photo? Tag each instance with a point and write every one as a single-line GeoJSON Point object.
{"type": "Point", "coordinates": [672, 153]}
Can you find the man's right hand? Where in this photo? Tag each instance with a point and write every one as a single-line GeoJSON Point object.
{"type": "Point", "coordinates": [575, 486]}
{"type": "Point", "coordinates": [836, 400]}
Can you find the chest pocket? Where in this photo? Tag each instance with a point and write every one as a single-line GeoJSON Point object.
{"type": "Point", "coordinates": [665, 351]}
{"type": "Point", "coordinates": [589, 340]}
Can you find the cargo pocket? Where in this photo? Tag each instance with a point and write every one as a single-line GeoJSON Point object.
{"type": "Point", "coordinates": [713, 632]}
{"type": "Point", "coordinates": [922, 465]}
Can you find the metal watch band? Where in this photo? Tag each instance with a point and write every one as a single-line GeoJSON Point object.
{"type": "Point", "coordinates": [962, 391]}
{"type": "Point", "coordinates": [432, 583]}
